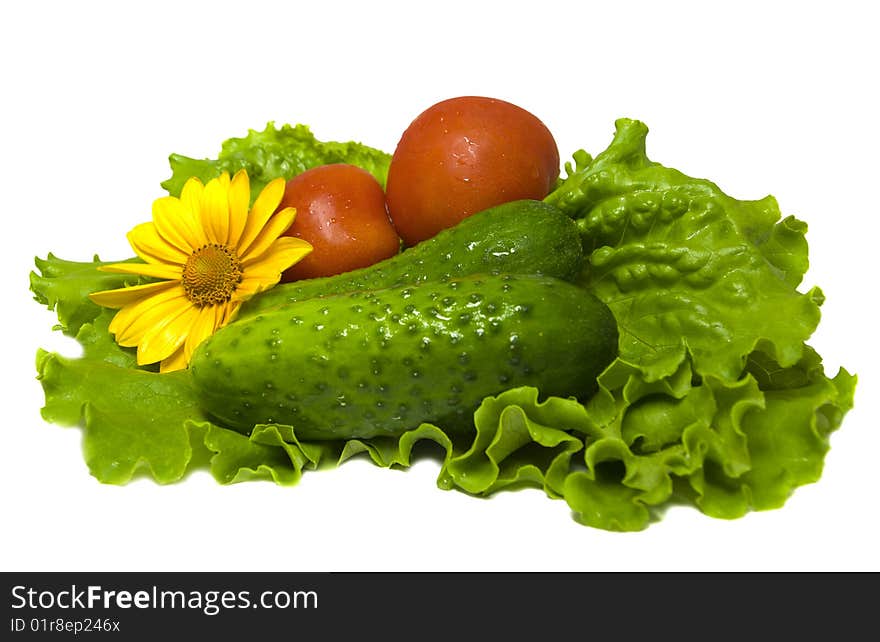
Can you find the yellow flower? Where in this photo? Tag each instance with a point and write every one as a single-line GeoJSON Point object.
{"type": "Point", "coordinates": [212, 254]}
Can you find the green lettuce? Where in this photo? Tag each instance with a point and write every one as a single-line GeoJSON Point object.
{"type": "Point", "coordinates": [274, 153]}
{"type": "Point", "coordinates": [685, 267]}
{"type": "Point", "coordinates": [716, 399]}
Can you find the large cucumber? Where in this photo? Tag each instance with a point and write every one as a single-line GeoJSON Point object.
{"type": "Point", "coordinates": [525, 237]}
{"type": "Point", "coordinates": [383, 361]}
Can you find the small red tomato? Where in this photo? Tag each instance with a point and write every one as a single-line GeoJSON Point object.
{"type": "Point", "coordinates": [464, 155]}
{"type": "Point", "coordinates": [341, 211]}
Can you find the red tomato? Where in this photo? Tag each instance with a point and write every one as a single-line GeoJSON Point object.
{"type": "Point", "coordinates": [464, 155]}
{"type": "Point", "coordinates": [341, 211]}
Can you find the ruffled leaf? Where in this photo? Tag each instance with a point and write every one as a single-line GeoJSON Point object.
{"type": "Point", "coordinates": [275, 153]}
{"type": "Point", "coordinates": [519, 441]}
{"type": "Point", "coordinates": [684, 267]}
{"type": "Point", "coordinates": [64, 286]}
{"type": "Point", "coordinates": [130, 418]}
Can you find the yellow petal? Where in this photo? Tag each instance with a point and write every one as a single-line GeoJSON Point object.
{"type": "Point", "coordinates": [149, 245]}
{"type": "Point", "coordinates": [229, 312]}
{"type": "Point", "coordinates": [133, 321]}
{"type": "Point", "coordinates": [176, 361]}
{"type": "Point", "coordinates": [191, 194]}
{"type": "Point", "coordinates": [226, 313]}
{"type": "Point", "coordinates": [174, 223]}
{"type": "Point", "coordinates": [256, 284]}
{"type": "Point", "coordinates": [232, 308]}
{"type": "Point", "coordinates": [265, 272]}
{"type": "Point", "coordinates": [161, 340]}
{"type": "Point", "coordinates": [191, 199]}
{"type": "Point", "coordinates": [282, 253]}
{"type": "Point", "coordinates": [159, 271]}
{"type": "Point", "coordinates": [249, 287]}
{"type": "Point", "coordinates": [215, 210]}
{"type": "Point", "coordinates": [127, 296]}
{"type": "Point", "coordinates": [265, 205]}
{"type": "Point", "coordinates": [239, 200]}
{"type": "Point", "coordinates": [274, 228]}
{"type": "Point", "coordinates": [204, 326]}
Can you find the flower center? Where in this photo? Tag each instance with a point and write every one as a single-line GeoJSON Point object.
{"type": "Point", "coordinates": [211, 275]}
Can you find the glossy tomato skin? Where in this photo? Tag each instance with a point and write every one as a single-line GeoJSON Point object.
{"type": "Point", "coordinates": [463, 155]}
{"type": "Point", "coordinates": [341, 211]}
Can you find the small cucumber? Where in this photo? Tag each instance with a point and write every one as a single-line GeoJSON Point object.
{"type": "Point", "coordinates": [525, 237]}
{"type": "Point", "coordinates": [380, 362]}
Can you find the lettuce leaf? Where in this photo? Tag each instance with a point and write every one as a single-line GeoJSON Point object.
{"type": "Point", "coordinates": [274, 153]}
{"type": "Point", "coordinates": [715, 400]}
{"type": "Point", "coordinates": [64, 286]}
{"type": "Point", "coordinates": [685, 267]}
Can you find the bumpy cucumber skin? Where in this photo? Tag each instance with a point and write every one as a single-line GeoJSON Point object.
{"type": "Point", "coordinates": [381, 362]}
{"type": "Point", "coordinates": [521, 237]}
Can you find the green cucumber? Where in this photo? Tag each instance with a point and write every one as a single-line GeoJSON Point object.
{"type": "Point", "coordinates": [526, 237]}
{"type": "Point", "coordinates": [380, 362]}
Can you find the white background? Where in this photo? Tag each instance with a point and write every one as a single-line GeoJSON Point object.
{"type": "Point", "coordinates": [763, 98]}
